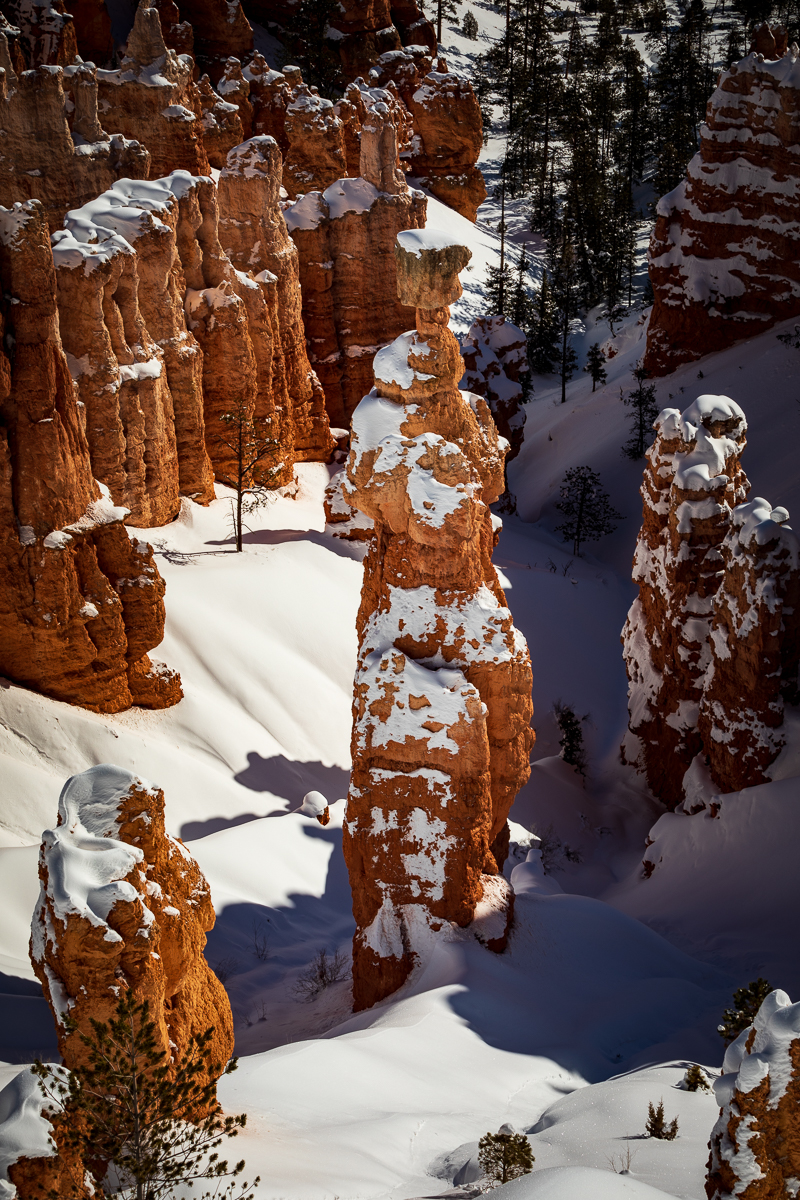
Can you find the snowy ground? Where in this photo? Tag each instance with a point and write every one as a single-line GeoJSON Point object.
{"type": "Point", "coordinates": [611, 983]}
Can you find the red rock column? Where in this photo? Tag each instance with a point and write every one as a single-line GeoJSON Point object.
{"type": "Point", "coordinates": [253, 234]}
{"type": "Point", "coordinates": [755, 1144]}
{"type": "Point", "coordinates": [692, 482]}
{"type": "Point", "coordinates": [754, 643]}
{"type": "Point", "coordinates": [724, 252]}
{"type": "Point", "coordinates": [442, 705]}
{"type": "Point", "coordinates": [81, 604]}
{"type": "Point", "coordinates": [143, 925]}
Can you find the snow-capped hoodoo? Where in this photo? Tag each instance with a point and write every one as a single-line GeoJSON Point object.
{"type": "Point", "coordinates": [123, 903]}
{"type": "Point", "coordinates": [442, 706]}
{"type": "Point", "coordinates": [755, 1144]}
{"type": "Point", "coordinates": [345, 236]}
{"type": "Point", "coordinates": [725, 252]}
{"type": "Point", "coordinates": [711, 642]}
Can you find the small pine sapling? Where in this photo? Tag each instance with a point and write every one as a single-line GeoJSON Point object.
{"type": "Point", "coordinates": [746, 1003]}
{"type": "Point", "coordinates": [588, 513]}
{"type": "Point", "coordinates": [695, 1079]}
{"type": "Point", "coordinates": [505, 1156]}
{"type": "Point", "coordinates": [148, 1125]}
{"type": "Point", "coordinates": [657, 1125]}
{"type": "Point", "coordinates": [469, 26]}
{"type": "Point", "coordinates": [644, 410]}
{"type": "Point", "coordinates": [570, 726]}
{"type": "Point", "coordinates": [595, 365]}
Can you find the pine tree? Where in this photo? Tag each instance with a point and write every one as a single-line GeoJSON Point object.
{"type": "Point", "coordinates": [247, 439]}
{"type": "Point", "coordinates": [570, 727]}
{"type": "Point", "coordinates": [304, 33]}
{"type": "Point", "coordinates": [644, 410]}
{"type": "Point", "coordinates": [543, 349]}
{"type": "Point", "coordinates": [586, 507]}
{"type": "Point", "coordinates": [746, 1003]}
{"type": "Point", "coordinates": [564, 282]}
{"type": "Point", "coordinates": [469, 26]}
{"type": "Point", "coordinates": [595, 365]}
{"type": "Point", "coordinates": [505, 1156]}
{"type": "Point", "coordinates": [657, 1125]}
{"type": "Point", "coordinates": [695, 1079]}
{"type": "Point", "coordinates": [521, 305]}
{"type": "Point", "coordinates": [146, 1125]}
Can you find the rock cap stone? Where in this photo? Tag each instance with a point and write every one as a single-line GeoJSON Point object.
{"type": "Point", "coordinates": [428, 263]}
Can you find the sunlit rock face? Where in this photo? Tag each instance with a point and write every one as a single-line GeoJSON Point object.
{"type": "Point", "coordinates": [442, 702]}
{"type": "Point", "coordinates": [345, 236]}
{"type": "Point", "coordinates": [725, 251]}
{"type": "Point", "coordinates": [755, 1144]}
{"type": "Point", "coordinates": [123, 904]}
{"type": "Point", "coordinates": [81, 603]}
{"type": "Point", "coordinates": [711, 642]}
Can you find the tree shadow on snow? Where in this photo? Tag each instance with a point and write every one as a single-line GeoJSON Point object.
{"type": "Point", "coordinates": [282, 777]}
{"type": "Point", "coordinates": [279, 537]}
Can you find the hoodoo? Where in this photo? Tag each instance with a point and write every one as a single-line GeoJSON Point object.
{"type": "Point", "coordinates": [442, 702]}
{"type": "Point", "coordinates": [724, 252]}
{"type": "Point", "coordinates": [345, 236]}
{"type": "Point", "coordinates": [711, 642]}
{"type": "Point", "coordinates": [81, 604]}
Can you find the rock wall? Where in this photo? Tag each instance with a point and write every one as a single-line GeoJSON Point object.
{"type": "Point", "coordinates": [755, 646]}
{"type": "Point", "coordinates": [220, 31]}
{"type": "Point", "coordinates": [137, 368]}
{"type": "Point", "coordinates": [153, 96]}
{"type": "Point", "coordinates": [706, 564]}
{"type": "Point", "coordinates": [755, 1144]}
{"type": "Point", "coordinates": [725, 251]}
{"type": "Point", "coordinates": [81, 604]}
{"type": "Point", "coordinates": [40, 159]}
{"type": "Point", "coordinates": [345, 236]}
{"type": "Point", "coordinates": [47, 31]}
{"type": "Point", "coordinates": [496, 361]}
{"type": "Point", "coordinates": [254, 235]}
{"type": "Point", "coordinates": [442, 699]}
{"type": "Point", "coordinates": [142, 926]}
{"type": "Point", "coordinates": [30, 1164]}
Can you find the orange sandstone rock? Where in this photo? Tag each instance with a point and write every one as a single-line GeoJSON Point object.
{"type": "Point", "coordinates": [346, 237]}
{"type": "Point", "coordinates": [142, 924]}
{"type": "Point", "coordinates": [93, 31]}
{"type": "Point", "coordinates": [40, 159]}
{"type": "Point", "coordinates": [221, 31]}
{"type": "Point", "coordinates": [253, 234]}
{"type": "Point", "coordinates": [33, 1156]}
{"type": "Point", "coordinates": [222, 124]}
{"type": "Point", "coordinates": [442, 706]}
{"type": "Point", "coordinates": [153, 93]}
{"type": "Point", "coordinates": [81, 605]}
{"type": "Point", "coordinates": [47, 31]}
{"type": "Point", "coordinates": [724, 252]}
{"type": "Point", "coordinates": [316, 155]}
{"type": "Point", "coordinates": [755, 1144]}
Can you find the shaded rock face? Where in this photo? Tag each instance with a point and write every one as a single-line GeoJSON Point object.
{"type": "Point", "coordinates": [755, 646]}
{"type": "Point", "coordinates": [495, 361]}
{"type": "Point", "coordinates": [755, 1144]}
{"type": "Point", "coordinates": [346, 238]}
{"type": "Point", "coordinates": [724, 255]}
{"type": "Point", "coordinates": [47, 31]}
{"type": "Point", "coordinates": [141, 925]}
{"type": "Point", "coordinates": [314, 134]}
{"type": "Point", "coordinates": [709, 568]}
{"type": "Point", "coordinates": [137, 368]}
{"type": "Point", "coordinates": [220, 30]}
{"type": "Point", "coordinates": [253, 234]}
{"type": "Point", "coordinates": [40, 159]}
{"type": "Point", "coordinates": [81, 604]}
{"type": "Point", "coordinates": [442, 700]}
{"type": "Point", "coordinates": [154, 93]}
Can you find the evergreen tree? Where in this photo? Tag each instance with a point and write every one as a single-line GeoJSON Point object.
{"type": "Point", "coordinates": [595, 365]}
{"type": "Point", "coordinates": [148, 1126]}
{"type": "Point", "coordinates": [521, 306]}
{"type": "Point", "coordinates": [469, 26]}
{"type": "Point", "coordinates": [746, 1003]}
{"type": "Point", "coordinates": [304, 33]}
{"type": "Point", "coordinates": [570, 727]}
{"type": "Point", "coordinates": [543, 349]}
{"type": "Point", "coordinates": [505, 1156]}
{"type": "Point", "coordinates": [657, 1125]}
{"type": "Point", "coordinates": [695, 1079]}
{"type": "Point", "coordinates": [644, 410]}
{"type": "Point", "coordinates": [587, 510]}
{"type": "Point", "coordinates": [247, 438]}
{"type": "Point", "coordinates": [565, 297]}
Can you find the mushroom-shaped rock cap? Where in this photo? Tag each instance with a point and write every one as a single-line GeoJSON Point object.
{"type": "Point", "coordinates": [427, 268]}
